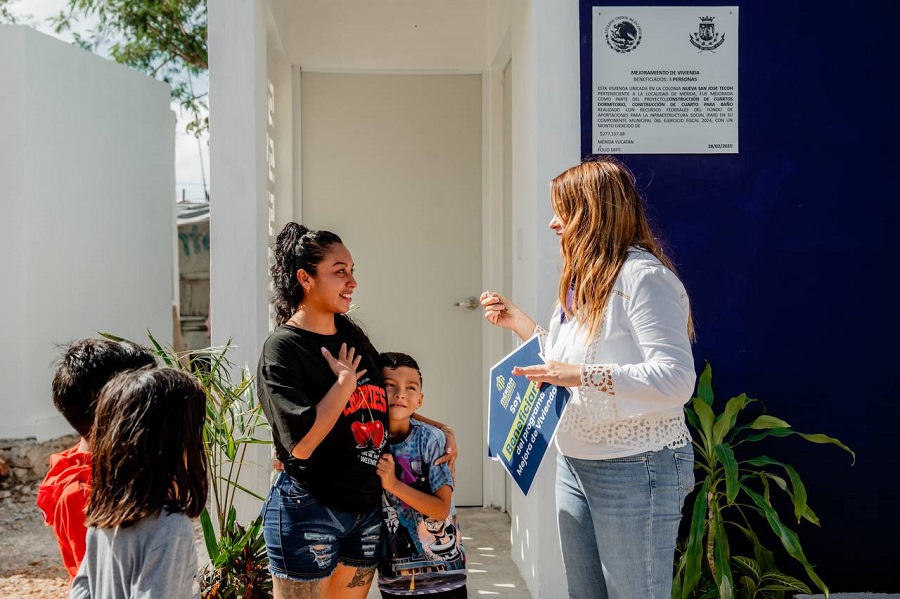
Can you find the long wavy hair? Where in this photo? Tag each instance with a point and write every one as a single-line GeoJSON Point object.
{"type": "Point", "coordinates": [298, 247]}
{"type": "Point", "coordinates": [603, 216]}
{"type": "Point", "coordinates": [147, 445]}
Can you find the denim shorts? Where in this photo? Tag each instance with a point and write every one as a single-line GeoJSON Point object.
{"type": "Point", "coordinates": [306, 540]}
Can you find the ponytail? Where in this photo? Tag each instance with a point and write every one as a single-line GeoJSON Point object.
{"type": "Point", "coordinates": [296, 247]}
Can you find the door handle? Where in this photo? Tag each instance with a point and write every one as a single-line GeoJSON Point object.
{"type": "Point", "coordinates": [470, 303]}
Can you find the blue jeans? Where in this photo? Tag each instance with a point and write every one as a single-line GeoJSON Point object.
{"type": "Point", "coordinates": [618, 521]}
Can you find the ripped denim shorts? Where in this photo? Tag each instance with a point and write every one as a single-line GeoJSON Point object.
{"type": "Point", "coordinates": [306, 540]}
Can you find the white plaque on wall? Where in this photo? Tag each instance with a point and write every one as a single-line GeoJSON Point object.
{"type": "Point", "coordinates": [664, 80]}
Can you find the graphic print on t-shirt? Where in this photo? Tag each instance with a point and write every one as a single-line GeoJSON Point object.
{"type": "Point", "coordinates": [420, 553]}
{"type": "Point", "coordinates": [365, 406]}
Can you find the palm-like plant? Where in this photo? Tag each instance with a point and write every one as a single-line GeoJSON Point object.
{"type": "Point", "coordinates": [731, 494]}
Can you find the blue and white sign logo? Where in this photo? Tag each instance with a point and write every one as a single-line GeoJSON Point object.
{"type": "Point", "coordinates": [523, 415]}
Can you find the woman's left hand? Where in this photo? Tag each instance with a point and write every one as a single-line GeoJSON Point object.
{"type": "Point", "coordinates": [555, 373]}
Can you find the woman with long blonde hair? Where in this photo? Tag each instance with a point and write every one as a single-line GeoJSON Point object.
{"type": "Point", "coordinates": [620, 339]}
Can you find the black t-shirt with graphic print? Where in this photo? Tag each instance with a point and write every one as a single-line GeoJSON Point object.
{"type": "Point", "coordinates": [292, 377]}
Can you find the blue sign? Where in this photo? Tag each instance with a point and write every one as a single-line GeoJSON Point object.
{"type": "Point", "coordinates": [523, 415]}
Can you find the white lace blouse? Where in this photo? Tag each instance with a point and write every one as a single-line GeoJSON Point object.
{"type": "Point", "coordinates": [637, 371]}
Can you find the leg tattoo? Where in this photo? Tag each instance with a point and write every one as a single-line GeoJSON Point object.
{"type": "Point", "coordinates": [362, 577]}
{"type": "Point", "coordinates": [285, 588]}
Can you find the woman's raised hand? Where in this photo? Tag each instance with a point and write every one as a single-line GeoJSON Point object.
{"type": "Point", "coordinates": [345, 365]}
{"type": "Point", "coordinates": [501, 312]}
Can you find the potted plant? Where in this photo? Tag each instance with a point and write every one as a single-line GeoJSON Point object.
{"type": "Point", "coordinates": [734, 494]}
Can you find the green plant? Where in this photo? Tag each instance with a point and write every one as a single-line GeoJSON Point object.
{"type": "Point", "coordinates": [733, 495]}
{"type": "Point", "coordinates": [238, 561]}
{"type": "Point", "coordinates": [238, 565]}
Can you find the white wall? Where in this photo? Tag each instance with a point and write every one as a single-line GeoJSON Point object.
{"type": "Point", "coordinates": [13, 301]}
{"type": "Point", "coordinates": [88, 151]}
{"type": "Point", "coordinates": [238, 214]}
{"type": "Point", "coordinates": [239, 235]}
{"type": "Point", "coordinates": [542, 37]}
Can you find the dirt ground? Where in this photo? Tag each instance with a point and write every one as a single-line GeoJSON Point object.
{"type": "Point", "coordinates": [30, 565]}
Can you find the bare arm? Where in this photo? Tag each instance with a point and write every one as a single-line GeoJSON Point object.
{"type": "Point", "coordinates": [501, 312]}
{"type": "Point", "coordinates": [435, 506]}
{"type": "Point", "coordinates": [329, 409]}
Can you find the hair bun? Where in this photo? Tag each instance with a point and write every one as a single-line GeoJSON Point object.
{"type": "Point", "coordinates": [290, 234]}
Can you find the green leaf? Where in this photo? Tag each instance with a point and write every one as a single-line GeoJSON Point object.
{"type": "Point", "coordinates": [787, 537]}
{"type": "Point", "coordinates": [245, 490]}
{"type": "Point", "coordinates": [111, 337]}
{"type": "Point", "coordinates": [725, 421]}
{"type": "Point", "coordinates": [707, 417]}
{"type": "Point", "coordinates": [761, 554]}
{"type": "Point", "coordinates": [786, 583]}
{"type": "Point", "coordinates": [694, 550]}
{"type": "Point", "coordinates": [691, 417]}
{"type": "Point", "coordinates": [765, 483]}
{"type": "Point", "coordinates": [815, 438]}
{"type": "Point", "coordinates": [798, 489]}
{"type": "Point", "coordinates": [704, 385]}
{"type": "Point", "coordinates": [162, 353]}
{"type": "Point", "coordinates": [749, 584]}
{"type": "Point", "coordinates": [820, 438]}
{"type": "Point", "coordinates": [773, 432]}
{"type": "Point", "coordinates": [765, 422]}
{"type": "Point", "coordinates": [721, 557]}
{"type": "Point", "coordinates": [230, 448]}
{"type": "Point", "coordinates": [726, 456]}
{"type": "Point", "coordinates": [678, 577]}
{"type": "Point", "coordinates": [209, 535]}
{"type": "Point", "coordinates": [748, 564]}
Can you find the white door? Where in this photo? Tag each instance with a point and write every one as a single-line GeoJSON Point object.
{"type": "Point", "coordinates": [392, 164]}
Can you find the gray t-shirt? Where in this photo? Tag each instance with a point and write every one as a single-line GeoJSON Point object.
{"type": "Point", "coordinates": [154, 558]}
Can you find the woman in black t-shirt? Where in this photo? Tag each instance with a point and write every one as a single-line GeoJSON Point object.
{"type": "Point", "coordinates": [321, 391]}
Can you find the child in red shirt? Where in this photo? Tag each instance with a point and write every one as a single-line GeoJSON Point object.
{"type": "Point", "coordinates": [63, 496]}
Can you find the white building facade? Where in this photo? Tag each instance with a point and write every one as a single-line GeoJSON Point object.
{"type": "Point", "coordinates": [479, 109]}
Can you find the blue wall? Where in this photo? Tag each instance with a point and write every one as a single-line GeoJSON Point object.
{"type": "Point", "coordinates": [788, 253]}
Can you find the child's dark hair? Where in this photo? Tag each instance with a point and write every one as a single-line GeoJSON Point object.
{"type": "Point", "coordinates": [148, 448]}
{"type": "Point", "coordinates": [395, 359]}
{"type": "Point", "coordinates": [298, 247]}
{"type": "Point", "coordinates": [83, 369]}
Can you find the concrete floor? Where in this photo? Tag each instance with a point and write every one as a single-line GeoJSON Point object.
{"type": "Point", "coordinates": [491, 572]}
{"type": "Point", "coordinates": [850, 596]}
